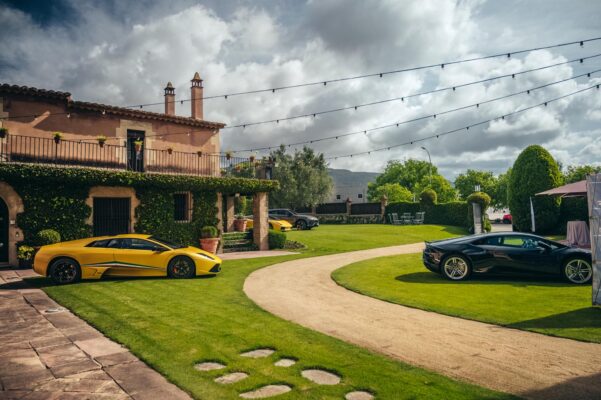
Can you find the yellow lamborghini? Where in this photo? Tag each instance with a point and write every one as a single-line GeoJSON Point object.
{"type": "Point", "coordinates": [122, 255]}
{"type": "Point", "coordinates": [275, 224]}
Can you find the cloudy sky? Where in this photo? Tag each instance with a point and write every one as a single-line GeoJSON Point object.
{"type": "Point", "coordinates": [124, 52]}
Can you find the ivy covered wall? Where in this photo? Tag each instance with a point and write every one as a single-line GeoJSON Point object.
{"type": "Point", "coordinates": [54, 198]}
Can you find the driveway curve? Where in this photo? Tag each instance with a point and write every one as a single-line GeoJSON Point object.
{"type": "Point", "coordinates": [527, 364]}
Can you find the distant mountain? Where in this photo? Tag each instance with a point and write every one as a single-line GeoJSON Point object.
{"type": "Point", "coordinates": [349, 184]}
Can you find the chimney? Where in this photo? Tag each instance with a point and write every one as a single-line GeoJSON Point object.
{"type": "Point", "coordinates": [169, 99]}
{"type": "Point", "coordinates": [196, 97]}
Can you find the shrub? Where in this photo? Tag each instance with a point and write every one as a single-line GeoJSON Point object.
{"type": "Point", "coordinates": [428, 197]}
{"type": "Point", "coordinates": [209, 232]}
{"type": "Point", "coordinates": [277, 240]}
{"type": "Point", "coordinates": [534, 171]}
{"type": "Point", "coordinates": [25, 252]}
{"type": "Point", "coordinates": [484, 201]}
{"type": "Point", "coordinates": [47, 236]}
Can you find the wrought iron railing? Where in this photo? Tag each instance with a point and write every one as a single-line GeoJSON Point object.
{"type": "Point", "coordinates": [38, 150]}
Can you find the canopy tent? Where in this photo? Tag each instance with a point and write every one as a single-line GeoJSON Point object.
{"type": "Point", "coordinates": [576, 189]}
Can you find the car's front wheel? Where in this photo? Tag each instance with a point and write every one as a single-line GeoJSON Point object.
{"type": "Point", "coordinates": [64, 270]}
{"type": "Point", "coordinates": [302, 225]}
{"type": "Point", "coordinates": [456, 268]}
{"type": "Point", "coordinates": [578, 270]}
{"type": "Point", "coordinates": [181, 267]}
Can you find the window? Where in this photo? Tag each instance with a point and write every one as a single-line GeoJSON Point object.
{"type": "Point", "coordinates": [182, 211]}
{"type": "Point", "coordinates": [360, 195]}
{"type": "Point", "coordinates": [337, 197]}
{"type": "Point", "coordinates": [141, 244]}
{"type": "Point", "coordinates": [106, 243]}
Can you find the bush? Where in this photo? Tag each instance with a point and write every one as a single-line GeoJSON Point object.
{"type": "Point", "coordinates": [428, 197]}
{"type": "Point", "coordinates": [209, 232]}
{"type": "Point", "coordinates": [571, 209]}
{"type": "Point", "coordinates": [277, 240]}
{"type": "Point", "coordinates": [47, 236]}
{"type": "Point", "coordinates": [534, 171]}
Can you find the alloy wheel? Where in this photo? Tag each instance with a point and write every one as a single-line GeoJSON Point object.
{"type": "Point", "coordinates": [578, 271]}
{"type": "Point", "coordinates": [456, 268]}
{"type": "Point", "coordinates": [181, 268]}
{"type": "Point", "coordinates": [64, 272]}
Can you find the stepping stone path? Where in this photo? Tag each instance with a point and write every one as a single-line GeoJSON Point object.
{"type": "Point", "coordinates": [258, 353]}
{"type": "Point", "coordinates": [321, 377]}
{"type": "Point", "coordinates": [285, 362]}
{"type": "Point", "coordinates": [359, 395]}
{"type": "Point", "coordinates": [209, 366]}
{"type": "Point", "coordinates": [266, 391]}
{"type": "Point", "coordinates": [231, 378]}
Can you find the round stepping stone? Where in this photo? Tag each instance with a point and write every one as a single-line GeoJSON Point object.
{"type": "Point", "coordinates": [285, 362]}
{"type": "Point", "coordinates": [258, 353]}
{"type": "Point", "coordinates": [321, 377]}
{"type": "Point", "coordinates": [359, 395]}
{"type": "Point", "coordinates": [231, 378]}
{"type": "Point", "coordinates": [266, 391]}
{"type": "Point", "coordinates": [209, 366]}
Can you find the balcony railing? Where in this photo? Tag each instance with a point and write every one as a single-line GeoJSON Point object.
{"type": "Point", "coordinates": [37, 150]}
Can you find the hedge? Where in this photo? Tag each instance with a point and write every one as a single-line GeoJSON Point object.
{"type": "Point", "coordinates": [453, 213]}
{"type": "Point", "coordinates": [277, 240]}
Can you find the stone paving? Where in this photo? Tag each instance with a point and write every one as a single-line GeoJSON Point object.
{"type": "Point", "coordinates": [46, 352]}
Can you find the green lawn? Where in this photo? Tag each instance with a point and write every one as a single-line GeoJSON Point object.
{"type": "Point", "coordinates": [547, 306]}
{"type": "Point", "coordinates": [172, 324]}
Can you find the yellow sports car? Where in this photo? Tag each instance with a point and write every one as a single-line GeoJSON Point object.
{"type": "Point", "coordinates": [275, 224]}
{"type": "Point", "coordinates": [122, 255]}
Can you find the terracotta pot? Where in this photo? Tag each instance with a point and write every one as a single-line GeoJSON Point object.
{"type": "Point", "coordinates": [240, 225]}
{"type": "Point", "coordinates": [3, 133]}
{"type": "Point", "coordinates": [138, 147]}
{"type": "Point", "coordinates": [209, 244]}
{"type": "Point", "coordinates": [101, 144]}
{"type": "Point", "coordinates": [169, 151]}
{"type": "Point", "coordinates": [57, 140]}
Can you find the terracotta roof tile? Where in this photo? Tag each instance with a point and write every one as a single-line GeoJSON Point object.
{"type": "Point", "coordinates": [27, 90]}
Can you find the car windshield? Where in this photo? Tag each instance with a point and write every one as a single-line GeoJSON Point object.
{"type": "Point", "coordinates": [167, 243]}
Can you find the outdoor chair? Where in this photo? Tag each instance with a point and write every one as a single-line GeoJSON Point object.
{"type": "Point", "coordinates": [394, 219]}
{"type": "Point", "coordinates": [406, 218]}
{"type": "Point", "coordinates": [419, 218]}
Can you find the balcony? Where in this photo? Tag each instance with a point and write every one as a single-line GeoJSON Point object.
{"type": "Point", "coordinates": [73, 153]}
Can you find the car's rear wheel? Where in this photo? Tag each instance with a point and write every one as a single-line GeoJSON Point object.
{"type": "Point", "coordinates": [578, 270]}
{"type": "Point", "coordinates": [181, 267]}
{"type": "Point", "coordinates": [456, 268]}
{"type": "Point", "coordinates": [64, 270]}
{"type": "Point", "coordinates": [302, 225]}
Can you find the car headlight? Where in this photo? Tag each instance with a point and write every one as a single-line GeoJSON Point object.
{"type": "Point", "coordinates": [208, 257]}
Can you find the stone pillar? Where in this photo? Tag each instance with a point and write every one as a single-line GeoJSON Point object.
{"type": "Point", "coordinates": [383, 204]}
{"type": "Point", "coordinates": [229, 213]}
{"type": "Point", "coordinates": [349, 203]}
{"type": "Point", "coordinates": [260, 222]}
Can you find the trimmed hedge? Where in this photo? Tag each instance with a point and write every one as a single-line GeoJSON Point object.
{"type": "Point", "coordinates": [484, 200]}
{"type": "Point", "coordinates": [277, 240]}
{"type": "Point", "coordinates": [47, 236]}
{"type": "Point", "coordinates": [452, 213]}
{"type": "Point", "coordinates": [428, 197]}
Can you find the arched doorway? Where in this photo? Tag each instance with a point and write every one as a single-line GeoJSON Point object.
{"type": "Point", "coordinates": [4, 238]}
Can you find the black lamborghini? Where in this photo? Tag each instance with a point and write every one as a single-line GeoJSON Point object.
{"type": "Point", "coordinates": [507, 253]}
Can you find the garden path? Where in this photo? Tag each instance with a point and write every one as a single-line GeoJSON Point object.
{"type": "Point", "coordinates": [527, 364]}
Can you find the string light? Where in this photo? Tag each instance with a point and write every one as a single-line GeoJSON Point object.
{"type": "Point", "coordinates": [465, 127]}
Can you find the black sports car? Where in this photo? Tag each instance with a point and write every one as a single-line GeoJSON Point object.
{"type": "Point", "coordinates": [507, 253]}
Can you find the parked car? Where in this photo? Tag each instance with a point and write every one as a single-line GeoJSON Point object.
{"type": "Point", "coordinates": [299, 221]}
{"type": "Point", "coordinates": [507, 253]}
{"type": "Point", "coordinates": [122, 255]}
{"type": "Point", "coordinates": [507, 219]}
{"type": "Point", "coordinates": [275, 224]}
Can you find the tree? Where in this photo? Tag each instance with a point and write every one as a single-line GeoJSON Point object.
{"type": "Point", "coordinates": [445, 192]}
{"type": "Point", "coordinates": [304, 179]}
{"type": "Point", "coordinates": [576, 173]}
{"type": "Point", "coordinates": [534, 171]}
{"type": "Point", "coordinates": [498, 193]}
{"type": "Point", "coordinates": [393, 191]}
{"type": "Point", "coordinates": [406, 173]}
{"type": "Point", "coordinates": [428, 197]}
{"type": "Point", "coordinates": [466, 183]}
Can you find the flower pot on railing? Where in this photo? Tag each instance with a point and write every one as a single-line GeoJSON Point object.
{"type": "Point", "coordinates": [57, 136]}
{"type": "Point", "coordinates": [199, 153]}
{"type": "Point", "coordinates": [3, 133]}
{"type": "Point", "coordinates": [138, 146]}
{"type": "Point", "coordinates": [101, 140]}
{"type": "Point", "coordinates": [170, 150]}
{"type": "Point", "coordinates": [228, 156]}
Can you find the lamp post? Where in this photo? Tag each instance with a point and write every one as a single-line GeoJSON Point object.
{"type": "Point", "coordinates": [430, 168]}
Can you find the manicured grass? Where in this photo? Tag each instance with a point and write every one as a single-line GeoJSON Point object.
{"type": "Point", "coordinates": [548, 306]}
{"type": "Point", "coordinates": [173, 324]}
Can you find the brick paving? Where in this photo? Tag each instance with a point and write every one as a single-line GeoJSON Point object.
{"type": "Point", "coordinates": [46, 352]}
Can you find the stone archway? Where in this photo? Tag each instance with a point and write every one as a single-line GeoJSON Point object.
{"type": "Point", "coordinates": [14, 204]}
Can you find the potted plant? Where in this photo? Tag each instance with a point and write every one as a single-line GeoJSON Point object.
{"type": "Point", "coordinates": [199, 153]}
{"type": "Point", "coordinates": [101, 140]}
{"type": "Point", "coordinates": [169, 150]}
{"type": "Point", "coordinates": [209, 239]}
{"type": "Point", "coordinates": [252, 158]}
{"type": "Point", "coordinates": [57, 137]}
{"type": "Point", "coordinates": [240, 223]}
{"type": "Point", "coordinates": [228, 155]}
{"type": "Point", "coordinates": [25, 256]}
{"type": "Point", "coordinates": [3, 132]}
{"type": "Point", "coordinates": [138, 145]}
